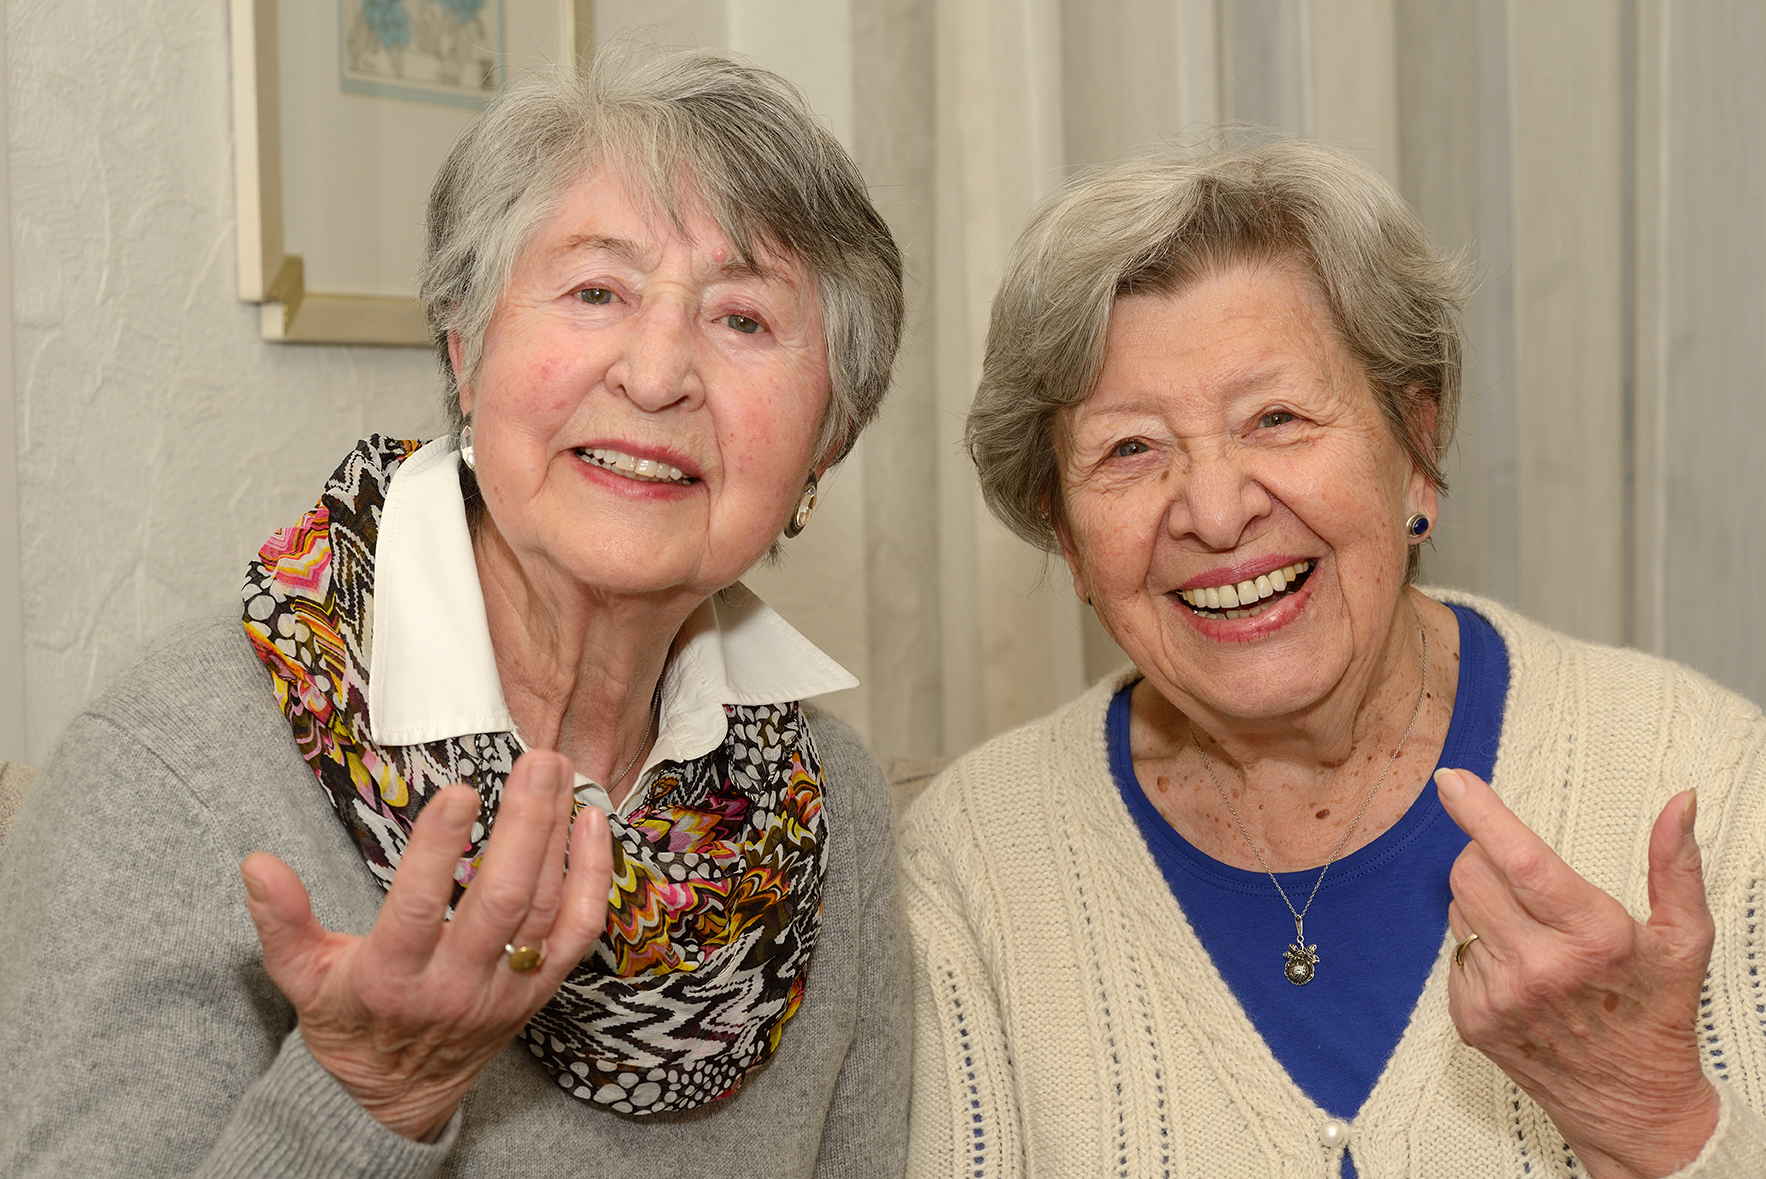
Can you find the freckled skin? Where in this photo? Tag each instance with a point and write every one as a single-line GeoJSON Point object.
{"type": "Point", "coordinates": [620, 331]}
{"type": "Point", "coordinates": [656, 367]}
{"type": "Point", "coordinates": [1229, 433]}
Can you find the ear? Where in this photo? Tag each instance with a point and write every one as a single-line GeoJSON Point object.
{"type": "Point", "coordinates": [461, 389]}
{"type": "Point", "coordinates": [1422, 495]}
{"type": "Point", "coordinates": [820, 467]}
{"type": "Point", "coordinates": [1069, 550]}
{"type": "Point", "coordinates": [1425, 499]}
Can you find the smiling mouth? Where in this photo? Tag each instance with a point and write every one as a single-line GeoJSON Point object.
{"type": "Point", "coordinates": [642, 469]}
{"type": "Point", "coordinates": [1247, 599]}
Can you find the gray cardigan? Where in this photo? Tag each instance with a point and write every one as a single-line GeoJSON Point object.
{"type": "Point", "coordinates": [140, 1035]}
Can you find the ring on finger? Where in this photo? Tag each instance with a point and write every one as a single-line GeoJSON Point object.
{"type": "Point", "coordinates": [525, 959]}
{"type": "Point", "coordinates": [1459, 951]}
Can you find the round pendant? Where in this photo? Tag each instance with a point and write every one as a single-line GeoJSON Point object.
{"type": "Point", "coordinates": [1301, 960]}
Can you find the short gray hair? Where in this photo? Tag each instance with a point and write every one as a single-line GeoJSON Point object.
{"type": "Point", "coordinates": [768, 172]}
{"type": "Point", "coordinates": [1154, 226]}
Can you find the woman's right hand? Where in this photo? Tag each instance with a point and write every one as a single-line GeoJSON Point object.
{"type": "Point", "coordinates": [408, 1016]}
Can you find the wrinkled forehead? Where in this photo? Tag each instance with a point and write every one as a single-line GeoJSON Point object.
{"type": "Point", "coordinates": [1309, 311]}
{"type": "Point", "coordinates": [631, 210]}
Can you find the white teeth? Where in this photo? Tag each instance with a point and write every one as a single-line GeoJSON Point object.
{"type": "Point", "coordinates": [1245, 600]}
{"type": "Point", "coordinates": [647, 470]}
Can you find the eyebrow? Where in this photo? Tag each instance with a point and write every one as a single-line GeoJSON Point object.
{"type": "Point", "coordinates": [629, 252]}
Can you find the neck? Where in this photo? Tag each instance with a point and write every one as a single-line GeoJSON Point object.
{"type": "Point", "coordinates": [1297, 782]}
{"type": "Point", "coordinates": [579, 667]}
{"type": "Point", "coordinates": [1371, 706]}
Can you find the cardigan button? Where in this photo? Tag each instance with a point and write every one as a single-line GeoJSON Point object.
{"type": "Point", "coordinates": [1334, 1134]}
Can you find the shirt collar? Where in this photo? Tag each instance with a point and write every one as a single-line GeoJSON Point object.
{"type": "Point", "coordinates": [432, 674]}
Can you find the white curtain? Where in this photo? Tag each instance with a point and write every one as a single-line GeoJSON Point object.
{"type": "Point", "coordinates": [1602, 163]}
{"type": "Point", "coordinates": [968, 112]}
{"type": "Point", "coordinates": [1603, 159]}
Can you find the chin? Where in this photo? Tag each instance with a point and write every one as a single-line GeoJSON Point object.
{"type": "Point", "coordinates": [1267, 681]}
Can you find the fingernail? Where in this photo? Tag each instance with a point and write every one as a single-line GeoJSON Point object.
{"type": "Point", "coordinates": [460, 809]}
{"type": "Point", "coordinates": [1690, 815]}
{"type": "Point", "coordinates": [254, 887]}
{"type": "Point", "coordinates": [1452, 785]}
{"type": "Point", "coordinates": [549, 779]}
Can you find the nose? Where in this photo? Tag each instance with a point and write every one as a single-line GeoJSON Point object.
{"type": "Point", "coordinates": [1218, 502]}
{"type": "Point", "coordinates": [657, 367]}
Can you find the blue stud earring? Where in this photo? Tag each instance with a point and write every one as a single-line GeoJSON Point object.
{"type": "Point", "coordinates": [1417, 525]}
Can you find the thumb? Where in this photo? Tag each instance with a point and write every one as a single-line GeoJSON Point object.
{"type": "Point", "coordinates": [291, 936]}
{"type": "Point", "coordinates": [1678, 910]}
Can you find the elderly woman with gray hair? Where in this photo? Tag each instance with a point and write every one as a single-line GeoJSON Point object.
{"type": "Point", "coordinates": [548, 873]}
{"type": "Point", "coordinates": [1341, 877]}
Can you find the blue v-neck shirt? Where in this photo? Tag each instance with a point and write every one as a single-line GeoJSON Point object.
{"type": "Point", "coordinates": [1378, 921]}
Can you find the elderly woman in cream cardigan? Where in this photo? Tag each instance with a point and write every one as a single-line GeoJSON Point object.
{"type": "Point", "coordinates": [1341, 877]}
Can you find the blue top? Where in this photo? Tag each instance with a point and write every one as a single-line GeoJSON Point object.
{"type": "Point", "coordinates": [1378, 920]}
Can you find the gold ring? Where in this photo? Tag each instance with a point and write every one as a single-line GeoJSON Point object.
{"type": "Point", "coordinates": [525, 959]}
{"type": "Point", "coordinates": [1459, 951]}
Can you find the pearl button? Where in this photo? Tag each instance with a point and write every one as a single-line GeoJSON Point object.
{"type": "Point", "coordinates": [1334, 1134]}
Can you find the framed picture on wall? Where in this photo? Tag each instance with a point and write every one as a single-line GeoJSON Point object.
{"type": "Point", "coordinates": [343, 111]}
{"type": "Point", "coordinates": [445, 51]}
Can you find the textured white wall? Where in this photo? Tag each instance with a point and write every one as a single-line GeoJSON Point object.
{"type": "Point", "coordinates": [160, 439]}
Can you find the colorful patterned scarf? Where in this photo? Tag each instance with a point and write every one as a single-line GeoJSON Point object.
{"type": "Point", "coordinates": [717, 877]}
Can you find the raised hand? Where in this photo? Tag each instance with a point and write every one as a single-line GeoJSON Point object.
{"type": "Point", "coordinates": [1586, 1009]}
{"type": "Point", "coordinates": [408, 1016]}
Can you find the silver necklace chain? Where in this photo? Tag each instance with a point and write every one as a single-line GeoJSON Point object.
{"type": "Point", "coordinates": [1301, 958]}
{"type": "Point", "coordinates": [655, 705]}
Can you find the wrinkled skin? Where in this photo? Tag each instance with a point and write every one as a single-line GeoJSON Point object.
{"type": "Point", "coordinates": [618, 331]}
{"type": "Point", "coordinates": [407, 1017]}
{"type": "Point", "coordinates": [1590, 1011]}
{"type": "Point", "coordinates": [1230, 432]}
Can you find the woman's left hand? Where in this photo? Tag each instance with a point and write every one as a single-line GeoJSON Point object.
{"type": "Point", "coordinates": [1589, 1011]}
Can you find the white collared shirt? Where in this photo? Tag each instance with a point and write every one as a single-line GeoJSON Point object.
{"type": "Point", "coordinates": [432, 674]}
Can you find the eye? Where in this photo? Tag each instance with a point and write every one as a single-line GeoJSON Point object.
{"type": "Point", "coordinates": [1130, 447]}
{"type": "Point", "coordinates": [595, 295]}
{"type": "Point", "coordinates": [1274, 418]}
{"type": "Point", "coordinates": [742, 323]}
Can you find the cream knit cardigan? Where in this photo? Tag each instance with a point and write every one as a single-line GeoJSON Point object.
{"type": "Point", "coordinates": [1068, 1023]}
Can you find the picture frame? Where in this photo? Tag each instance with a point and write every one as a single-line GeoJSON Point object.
{"type": "Point", "coordinates": [336, 141]}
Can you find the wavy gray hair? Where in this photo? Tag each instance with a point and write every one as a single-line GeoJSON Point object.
{"type": "Point", "coordinates": [766, 170]}
{"type": "Point", "coordinates": [1154, 226]}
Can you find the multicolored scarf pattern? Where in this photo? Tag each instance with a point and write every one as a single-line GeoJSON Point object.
{"type": "Point", "coordinates": [717, 877]}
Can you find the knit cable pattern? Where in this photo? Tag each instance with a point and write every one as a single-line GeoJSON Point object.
{"type": "Point", "coordinates": [1069, 1023]}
